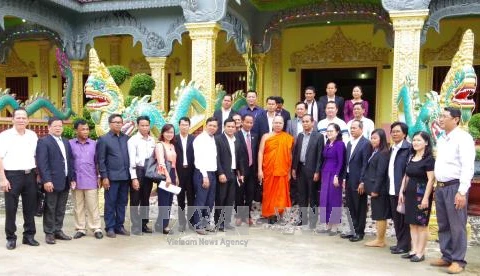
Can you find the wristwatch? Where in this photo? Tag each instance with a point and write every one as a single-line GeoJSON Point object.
{"type": "Point", "coordinates": [462, 193]}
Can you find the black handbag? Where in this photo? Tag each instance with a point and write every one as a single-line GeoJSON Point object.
{"type": "Point", "coordinates": [151, 168]}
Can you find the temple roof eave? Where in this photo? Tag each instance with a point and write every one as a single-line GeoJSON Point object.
{"type": "Point", "coordinates": [116, 5]}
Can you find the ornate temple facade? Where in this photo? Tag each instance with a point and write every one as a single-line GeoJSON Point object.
{"type": "Point", "coordinates": [275, 47]}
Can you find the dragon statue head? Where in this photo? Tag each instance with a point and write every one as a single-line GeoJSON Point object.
{"type": "Point", "coordinates": [238, 98]}
{"type": "Point", "coordinates": [106, 97]}
{"type": "Point", "coordinates": [142, 107]}
{"type": "Point", "coordinates": [189, 101]}
{"type": "Point", "coordinates": [460, 83]}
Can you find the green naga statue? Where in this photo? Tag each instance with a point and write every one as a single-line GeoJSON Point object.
{"type": "Point", "coordinates": [107, 99]}
{"type": "Point", "coordinates": [41, 101]}
{"type": "Point", "coordinates": [457, 91]}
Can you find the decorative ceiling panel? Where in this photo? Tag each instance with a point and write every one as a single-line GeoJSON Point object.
{"type": "Point", "coordinates": [276, 5]}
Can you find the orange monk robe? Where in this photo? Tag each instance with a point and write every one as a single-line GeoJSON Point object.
{"type": "Point", "coordinates": [277, 161]}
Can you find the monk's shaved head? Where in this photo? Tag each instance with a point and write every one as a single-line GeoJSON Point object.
{"type": "Point", "coordinates": [278, 118]}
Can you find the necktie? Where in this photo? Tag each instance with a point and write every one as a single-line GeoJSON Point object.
{"type": "Point", "coordinates": [249, 150]}
{"type": "Point", "coordinates": [311, 109]}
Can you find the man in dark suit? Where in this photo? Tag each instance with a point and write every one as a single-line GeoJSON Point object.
{"type": "Point", "coordinates": [306, 166]}
{"type": "Point", "coordinates": [358, 151]}
{"type": "Point", "coordinates": [224, 112]}
{"type": "Point", "coordinates": [113, 166]}
{"type": "Point", "coordinates": [281, 111]}
{"type": "Point", "coordinates": [185, 167]}
{"type": "Point", "coordinates": [263, 122]}
{"type": "Point", "coordinates": [228, 164]}
{"type": "Point", "coordinates": [294, 126]}
{"type": "Point", "coordinates": [399, 154]}
{"type": "Point", "coordinates": [248, 149]}
{"type": "Point", "coordinates": [54, 161]}
{"type": "Point", "coordinates": [322, 102]}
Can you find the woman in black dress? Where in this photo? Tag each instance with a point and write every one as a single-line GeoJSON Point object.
{"type": "Point", "coordinates": [376, 185]}
{"type": "Point", "coordinates": [417, 193]}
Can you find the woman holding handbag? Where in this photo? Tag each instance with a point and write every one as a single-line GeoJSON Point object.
{"type": "Point", "coordinates": [166, 157]}
{"type": "Point", "coordinates": [417, 193]}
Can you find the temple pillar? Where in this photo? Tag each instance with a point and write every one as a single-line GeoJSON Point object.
{"type": "Point", "coordinates": [159, 75]}
{"type": "Point", "coordinates": [203, 37]}
{"type": "Point", "coordinates": [3, 77]}
{"type": "Point", "coordinates": [77, 94]}
{"type": "Point", "coordinates": [44, 51]}
{"type": "Point", "coordinates": [259, 60]}
{"type": "Point", "coordinates": [115, 46]}
{"type": "Point", "coordinates": [407, 26]}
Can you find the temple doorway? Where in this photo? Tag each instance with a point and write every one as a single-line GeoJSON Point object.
{"type": "Point", "coordinates": [346, 79]}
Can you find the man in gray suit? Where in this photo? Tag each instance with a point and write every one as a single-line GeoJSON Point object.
{"type": "Point", "coordinates": [306, 165]}
{"type": "Point", "coordinates": [294, 126]}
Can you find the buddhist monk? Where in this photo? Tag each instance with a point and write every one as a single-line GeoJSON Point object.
{"type": "Point", "coordinates": [274, 164]}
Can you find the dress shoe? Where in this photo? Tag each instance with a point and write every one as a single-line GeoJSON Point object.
{"type": "Point", "coordinates": [250, 221]}
{"type": "Point", "coordinates": [201, 231]}
{"type": "Point", "coordinates": [78, 235]}
{"type": "Point", "coordinates": [167, 231]}
{"type": "Point", "coordinates": [408, 255]}
{"type": "Point", "coordinates": [111, 234]}
{"type": "Point", "coordinates": [346, 236]}
{"type": "Point", "coordinates": [11, 244]}
{"type": "Point", "coordinates": [323, 231]}
{"type": "Point", "coordinates": [147, 230]}
{"type": "Point", "coordinates": [393, 247]}
{"type": "Point", "coordinates": [99, 235]}
{"type": "Point", "coordinates": [30, 241]}
{"type": "Point", "coordinates": [356, 238]}
{"type": "Point", "coordinates": [439, 262]}
{"type": "Point", "coordinates": [182, 228]}
{"type": "Point", "coordinates": [122, 231]}
{"type": "Point", "coordinates": [61, 236]}
{"type": "Point", "coordinates": [220, 229]}
{"type": "Point", "coordinates": [50, 239]}
{"type": "Point", "coordinates": [455, 268]}
{"type": "Point", "coordinates": [416, 259]}
{"type": "Point", "coordinates": [398, 251]}
{"type": "Point", "coordinates": [229, 227]}
{"type": "Point", "coordinates": [136, 232]}
{"type": "Point", "coordinates": [238, 222]}
{"type": "Point", "coordinates": [333, 233]}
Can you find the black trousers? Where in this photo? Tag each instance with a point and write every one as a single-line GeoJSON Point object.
{"type": "Point", "coordinates": [402, 230]}
{"type": "Point", "coordinates": [24, 185]}
{"type": "Point", "coordinates": [357, 206]}
{"type": "Point", "coordinates": [307, 195]}
{"type": "Point", "coordinates": [140, 201]}
{"type": "Point", "coordinates": [224, 200]}
{"type": "Point", "coordinates": [294, 193]}
{"type": "Point", "coordinates": [185, 178]}
{"type": "Point", "coordinates": [245, 193]}
{"type": "Point", "coordinates": [54, 210]}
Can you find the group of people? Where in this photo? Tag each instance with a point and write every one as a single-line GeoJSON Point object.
{"type": "Point", "coordinates": [253, 154]}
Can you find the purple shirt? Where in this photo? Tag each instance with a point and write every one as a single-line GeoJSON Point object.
{"type": "Point", "coordinates": [84, 164]}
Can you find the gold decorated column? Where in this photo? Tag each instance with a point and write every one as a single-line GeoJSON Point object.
{"type": "Point", "coordinates": [159, 75]}
{"type": "Point", "coordinates": [44, 51]}
{"type": "Point", "coordinates": [203, 37]}
{"type": "Point", "coordinates": [77, 94]}
{"type": "Point", "coordinates": [259, 60]}
{"type": "Point", "coordinates": [407, 26]}
{"type": "Point", "coordinates": [3, 77]}
{"type": "Point", "coordinates": [115, 47]}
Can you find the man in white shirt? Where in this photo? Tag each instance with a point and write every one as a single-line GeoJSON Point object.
{"type": "Point", "coordinates": [204, 178]}
{"type": "Point", "coordinates": [140, 147]}
{"type": "Point", "coordinates": [312, 105]}
{"type": "Point", "coordinates": [399, 156]}
{"type": "Point", "coordinates": [228, 169]}
{"type": "Point", "coordinates": [368, 125]}
{"type": "Point", "coordinates": [224, 112]}
{"type": "Point", "coordinates": [331, 111]}
{"type": "Point", "coordinates": [453, 171]}
{"type": "Point", "coordinates": [185, 167]}
{"type": "Point", "coordinates": [17, 177]}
